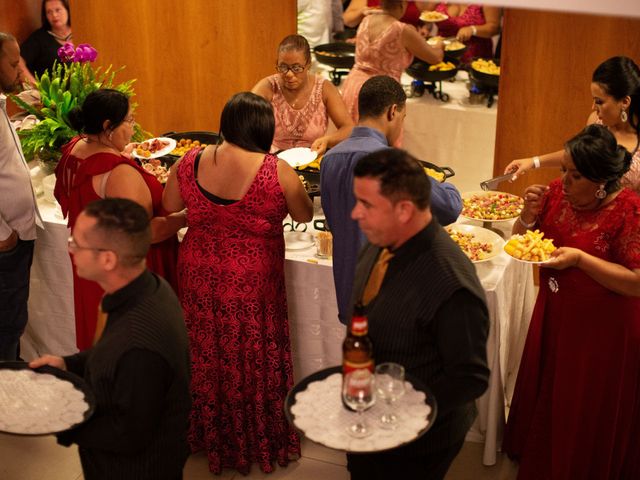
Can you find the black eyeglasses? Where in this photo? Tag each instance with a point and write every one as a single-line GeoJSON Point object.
{"type": "Point", "coordinates": [73, 246]}
{"type": "Point", "coordinates": [295, 68]}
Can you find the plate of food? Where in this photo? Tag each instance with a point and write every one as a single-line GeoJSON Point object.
{"type": "Point", "coordinates": [490, 206]}
{"type": "Point", "coordinates": [433, 16]}
{"type": "Point", "coordinates": [156, 168]}
{"type": "Point", "coordinates": [41, 401]}
{"type": "Point", "coordinates": [153, 148]}
{"type": "Point", "coordinates": [530, 247]}
{"type": "Point", "coordinates": [298, 156]}
{"type": "Point", "coordinates": [479, 244]}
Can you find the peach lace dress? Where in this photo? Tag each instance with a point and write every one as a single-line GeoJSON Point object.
{"type": "Point", "coordinates": [298, 127]}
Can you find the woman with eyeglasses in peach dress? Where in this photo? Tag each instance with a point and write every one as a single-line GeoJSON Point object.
{"type": "Point", "coordinates": [303, 102]}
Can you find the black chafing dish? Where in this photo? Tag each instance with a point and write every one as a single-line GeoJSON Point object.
{"type": "Point", "coordinates": [431, 80]}
{"type": "Point", "coordinates": [204, 137]}
{"type": "Point", "coordinates": [339, 55]}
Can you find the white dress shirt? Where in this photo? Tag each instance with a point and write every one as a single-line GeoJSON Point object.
{"type": "Point", "coordinates": [18, 208]}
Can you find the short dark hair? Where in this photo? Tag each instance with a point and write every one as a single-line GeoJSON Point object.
{"type": "Point", "coordinates": [378, 94]}
{"type": "Point", "coordinates": [5, 37]}
{"type": "Point", "coordinates": [103, 104]}
{"type": "Point", "coordinates": [297, 43]}
{"type": "Point", "coordinates": [401, 175]}
{"type": "Point", "coordinates": [598, 157]}
{"type": "Point", "coordinates": [125, 226]}
{"type": "Point", "coordinates": [43, 13]}
{"type": "Point", "coordinates": [247, 121]}
{"type": "Point", "coordinates": [619, 77]}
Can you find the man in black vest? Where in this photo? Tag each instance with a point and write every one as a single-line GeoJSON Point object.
{"type": "Point", "coordinates": [139, 367]}
{"type": "Point", "coordinates": [428, 315]}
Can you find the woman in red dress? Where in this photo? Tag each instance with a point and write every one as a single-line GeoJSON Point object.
{"type": "Point", "coordinates": [92, 167]}
{"type": "Point", "coordinates": [232, 289]}
{"type": "Point", "coordinates": [575, 413]}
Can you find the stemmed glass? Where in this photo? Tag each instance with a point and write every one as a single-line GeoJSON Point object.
{"type": "Point", "coordinates": [389, 387]}
{"type": "Point", "coordinates": [358, 394]}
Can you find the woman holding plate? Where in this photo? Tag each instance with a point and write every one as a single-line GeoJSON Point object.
{"type": "Point", "coordinates": [472, 24]}
{"type": "Point", "coordinates": [302, 103]}
{"type": "Point", "coordinates": [93, 166]}
{"type": "Point", "coordinates": [576, 407]}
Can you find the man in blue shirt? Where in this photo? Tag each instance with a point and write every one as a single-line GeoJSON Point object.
{"type": "Point", "coordinates": [382, 107]}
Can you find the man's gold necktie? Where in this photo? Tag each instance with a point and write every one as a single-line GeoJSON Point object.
{"type": "Point", "coordinates": [377, 275]}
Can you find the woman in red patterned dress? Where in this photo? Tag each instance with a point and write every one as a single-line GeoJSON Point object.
{"type": "Point", "coordinates": [302, 103]}
{"type": "Point", "coordinates": [575, 413]}
{"type": "Point", "coordinates": [92, 166]}
{"type": "Point", "coordinates": [231, 276]}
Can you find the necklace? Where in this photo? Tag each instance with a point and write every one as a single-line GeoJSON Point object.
{"type": "Point", "coordinates": [60, 37]}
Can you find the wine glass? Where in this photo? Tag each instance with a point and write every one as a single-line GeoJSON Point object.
{"type": "Point", "coordinates": [358, 394]}
{"type": "Point", "coordinates": [389, 387]}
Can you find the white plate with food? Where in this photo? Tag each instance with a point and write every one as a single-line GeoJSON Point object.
{"type": "Point", "coordinates": [530, 247]}
{"type": "Point", "coordinates": [433, 16]}
{"type": "Point", "coordinates": [153, 148]}
{"type": "Point", "coordinates": [479, 244]}
{"type": "Point", "coordinates": [298, 240]}
{"type": "Point", "coordinates": [490, 206]}
{"type": "Point", "coordinates": [157, 169]}
{"type": "Point", "coordinates": [298, 156]}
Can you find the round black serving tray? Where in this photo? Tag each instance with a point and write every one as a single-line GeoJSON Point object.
{"type": "Point", "coordinates": [290, 399]}
{"type": "Point", "coordinates": [77, 382]}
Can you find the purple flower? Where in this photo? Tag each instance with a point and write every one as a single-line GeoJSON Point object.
{"type": "Point", "coordinates": [66, 53]}
{"type": "Point", "coordinates": [85, 53]}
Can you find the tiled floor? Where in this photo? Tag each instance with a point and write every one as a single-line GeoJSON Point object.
{"type": "Point", "coordinates": [40, 458]}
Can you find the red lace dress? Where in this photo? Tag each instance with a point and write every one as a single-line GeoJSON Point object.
{"type": "Point", "coordinates": [575, 413]}
{"type": "Point", "coordinates": [383, 56]}
{"type": "Point", "coordinates": [232, 289]}
{"type": "Point", "coordinates": [298, 127]}
{"type": "Point", "coordinates": [473, 15]}
{"type": "Point", "coordinates": [74, 191]}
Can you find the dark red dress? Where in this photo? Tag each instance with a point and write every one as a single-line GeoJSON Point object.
{"type": "Point", "coordinates": [232, 289]}
{"type": "Point", "coordinates": [575, 412]}
{"type": "Point", "coordinates": [74, 191]}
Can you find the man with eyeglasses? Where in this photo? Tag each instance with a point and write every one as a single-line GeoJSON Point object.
{"type": "Point", "coordinates": [139, 368]}
{"type": "Point", "coordinates": [18, 212]}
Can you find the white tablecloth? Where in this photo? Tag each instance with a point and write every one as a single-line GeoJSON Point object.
{"type": "Point", "coordinates": [453, 134]}
{"type": "Point", "coordinates": [316, 334]}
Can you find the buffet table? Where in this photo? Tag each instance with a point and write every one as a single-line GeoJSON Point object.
{"type": "Point", "coordinates": [316, 334]}
{"type": "Point", "coordinates": [455, 134]}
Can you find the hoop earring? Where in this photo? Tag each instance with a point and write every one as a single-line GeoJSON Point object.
{"type": "Point", "coordinates": [601, 193]}
{"type": "Point", "coordinates": [623, 116]}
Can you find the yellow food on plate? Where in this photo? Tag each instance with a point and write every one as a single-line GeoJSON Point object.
{"type": "Point", "coordinates": [439, 176]}
{"type": "Point", "coordinates": [454, 45]}
{"type": "Point", "coordinates": [530, 247]}
{"type": "Point", "coordinates": [472, 248]}
{"type": "Point", "coordinates": [485, 66]}
{"type": "Point", "coordinates": [441, 67]}
{"type": "Point", "coordinates": [315, 164]}
{"type": "Point", "coordinates": [184, 145]}
{"type": "Point", "coordinates": [432, 16]}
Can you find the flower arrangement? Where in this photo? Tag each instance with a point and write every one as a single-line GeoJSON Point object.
{"type": "Point", "coordinates": [62, 89]}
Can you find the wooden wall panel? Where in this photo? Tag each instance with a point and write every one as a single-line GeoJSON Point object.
{"type": "Point", "coordinates": [20, 17]}
{"type": "Point", "coordinates": [548, 60]}
{"type": "Point", "coordinates": [188, 57]}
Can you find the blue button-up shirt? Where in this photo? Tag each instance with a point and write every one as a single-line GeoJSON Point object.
{"type": "Point", "coordinates": [336, 187]}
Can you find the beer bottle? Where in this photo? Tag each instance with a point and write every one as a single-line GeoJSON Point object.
{"type": "Point", "coordinates": [357, 349]}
